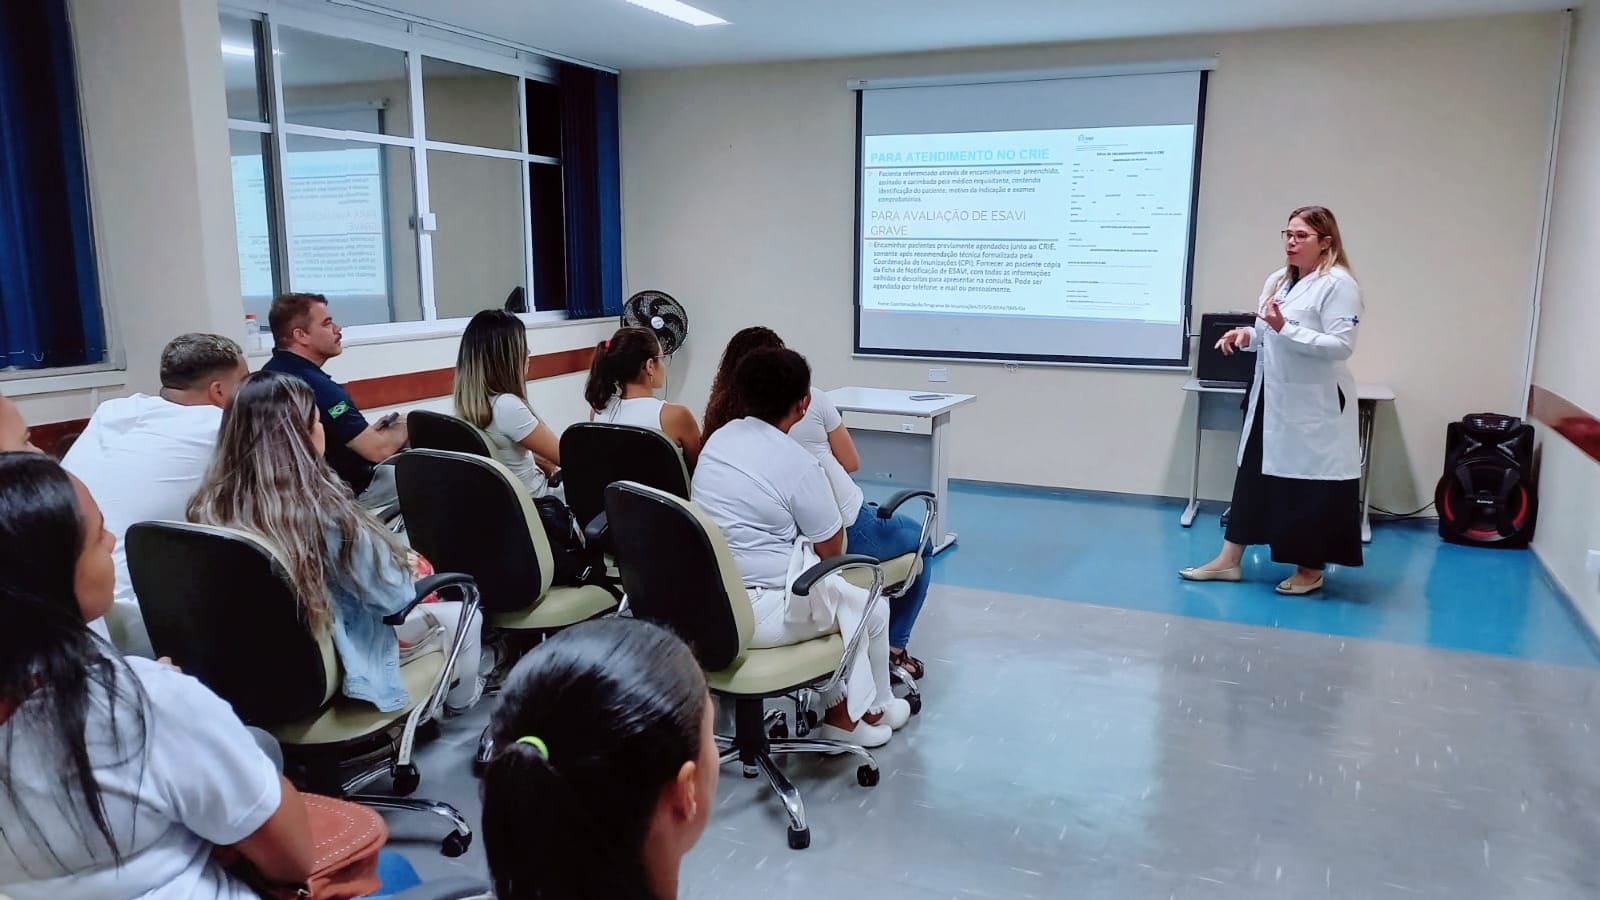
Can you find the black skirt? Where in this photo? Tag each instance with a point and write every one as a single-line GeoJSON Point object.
{"type": "Point", "coordinates": [1308, 522]}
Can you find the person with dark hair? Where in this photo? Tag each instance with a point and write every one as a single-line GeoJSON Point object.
{"type": "Point", "coordinates": [305, 337]}
{"type": "Point", "coordinates": [723, 405]}
{"type": "Point", "coordinates": [774, 504]}
{"type": "Point", "coordinates": [624, 375]}
{"type": "Point", "coordinates": [117, 777]}
{"type": "Point", "coordinates": [269, 478]}
{"type": "Point", "coordinates": [143, 456]}
{"type": "Point", "coordinates": [823, 434]}
{"type": "Point", "coordinates": [607, 769]}
{"type": "Point", "coordinates": [491, 392]}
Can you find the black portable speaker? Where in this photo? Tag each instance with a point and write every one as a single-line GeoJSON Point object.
{"type": "Point", "coordinates": [1487, 497]}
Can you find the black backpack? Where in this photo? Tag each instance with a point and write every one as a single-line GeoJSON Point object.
{"type": "Point", "coordinates": [575, 564]}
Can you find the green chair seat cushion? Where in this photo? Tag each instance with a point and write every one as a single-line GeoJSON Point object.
{"type": "Point", "coordinates": [347, 720]}
{"type": "Point", "coordinates": [777, 670]}
{"type": "Point", "coordinates": [560, 607]}
{"type": "Point", "coordinates": [896, 572]}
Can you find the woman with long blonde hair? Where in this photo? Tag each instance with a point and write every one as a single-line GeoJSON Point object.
{"type": "Point", "coordinates": [269, 478]}
{"type": "Point", "coordinates": [1300, 459]}
{"type": "Point", "coordinates": [491, 392]}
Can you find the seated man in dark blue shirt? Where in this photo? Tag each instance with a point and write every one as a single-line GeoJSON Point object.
{"type": "Point", "coordinates": [305, 338]}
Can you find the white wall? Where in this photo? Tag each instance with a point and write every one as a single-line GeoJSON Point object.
{"type": "Point", "coordinates": [1569, 481]}
{"type": "Point", "coordinates": [1429, 141]}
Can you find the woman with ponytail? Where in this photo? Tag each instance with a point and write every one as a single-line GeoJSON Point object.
{"type": "Point", "coordinates": [607, 768]}
{"type": "Point", "coordinates": [117, 777]}
{"type": "Point", "coordinates": [623, 377]}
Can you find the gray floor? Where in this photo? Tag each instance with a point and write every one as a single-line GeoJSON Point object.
{"type": "Point", "coordinates": [1072, 750]}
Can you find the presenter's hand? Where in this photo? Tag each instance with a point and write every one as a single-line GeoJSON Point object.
{"type": "Point", "coordinates": [1233, 339]}
{"type": "Point", "coordinates": [1272, 315]}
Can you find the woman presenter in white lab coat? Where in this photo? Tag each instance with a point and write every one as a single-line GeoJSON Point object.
{"type": "Point", "coordinates": [1300, 459]}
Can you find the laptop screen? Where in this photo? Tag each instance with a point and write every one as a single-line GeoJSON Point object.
{"type": "Point", "coordinates": [1210, 364]}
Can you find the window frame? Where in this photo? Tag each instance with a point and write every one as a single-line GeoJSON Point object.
{"type": "Point", "coordinates": [411, 39]}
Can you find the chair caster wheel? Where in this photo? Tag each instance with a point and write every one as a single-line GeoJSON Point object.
{"type": "Point", "coordinates": [406, 779]}
{"type": "Point", "coordinates": [455, 843]}
{"type": "Point", "coordinates": [867, 776]}
{"type": "Point", "coordinates": [778, 731]}
{"type": "Point", "coordinates": [915, 702]}
{"type": "Point", "coordinates": [799, 838]}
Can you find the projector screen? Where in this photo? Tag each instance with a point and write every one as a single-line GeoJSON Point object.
{"type": "Point", "coordinates": [1049, 220]}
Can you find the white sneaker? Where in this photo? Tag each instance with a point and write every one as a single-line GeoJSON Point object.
{"type": "Point", "coordinates": [863, 735]}
{"type": "Point", "coordinates": [896, 713]}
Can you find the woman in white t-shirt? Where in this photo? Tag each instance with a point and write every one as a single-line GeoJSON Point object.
{"type": "Point", "coordinates": [623, 377]}
{"type": "Point", "coordinates": [491, 392]}
{"type": "Point", "coordinates": [768, 495]}
{"type": "Point", "coordinates": [823, 434]}
{"type": "Point", "coordinates": [119, 777]}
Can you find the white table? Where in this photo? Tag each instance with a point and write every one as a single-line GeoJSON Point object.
{"type": "Point", "coordinates": [907, 454]}
{"type": "Point", "coordinates": [1215, 411]}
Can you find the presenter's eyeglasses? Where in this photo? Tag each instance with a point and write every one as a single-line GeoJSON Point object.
{"type": "Point", "coordinates": [1298, 237]}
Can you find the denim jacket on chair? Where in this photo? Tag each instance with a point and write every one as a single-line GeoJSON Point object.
{"type": "Point", "coordinates": [375, 586]}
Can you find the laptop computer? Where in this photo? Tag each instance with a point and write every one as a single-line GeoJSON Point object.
{"type": "Point", "coordinates": [1215, 370]}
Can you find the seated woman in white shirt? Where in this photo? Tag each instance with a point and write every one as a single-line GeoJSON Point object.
{"type": "Point", "coordinates": [767, 493]}
{"type": "Point", "coordinates": [623, 378]}
{"type": "Point", "coordinates": [491, 392]}
{"type": "Point", "coordinates": [823, 433]}
{"type": "Point", "coordinates": [119, 777]}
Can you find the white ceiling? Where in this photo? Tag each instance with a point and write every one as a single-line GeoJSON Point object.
{"type": "Point", "coordinates": [618, 34]}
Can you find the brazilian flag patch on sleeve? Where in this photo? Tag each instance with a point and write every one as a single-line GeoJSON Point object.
{"type": "Point", "coordinates": [339, 409]}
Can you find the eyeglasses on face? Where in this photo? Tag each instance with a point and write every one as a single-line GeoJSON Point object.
{"type": "Point", "coordinates": [1298, 237]}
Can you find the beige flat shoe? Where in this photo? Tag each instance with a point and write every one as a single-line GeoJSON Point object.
{"type": "Point", "coordinates": [1195, 573]}
{"type": "Point", "coordinates": [1288, 587]}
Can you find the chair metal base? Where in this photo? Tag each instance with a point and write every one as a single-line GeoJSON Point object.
{"type": "Point", "coordinates": [752, 747]}
{"type": "Point", "coordinates": [454, 844]}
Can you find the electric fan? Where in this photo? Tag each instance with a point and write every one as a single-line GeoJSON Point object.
{"type": "Point", "coordinates": [657, 311]}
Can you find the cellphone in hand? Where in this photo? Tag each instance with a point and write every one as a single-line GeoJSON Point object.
{"type": "Point", "coordinates": [388, 421]}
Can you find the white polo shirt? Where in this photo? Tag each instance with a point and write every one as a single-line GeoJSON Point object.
{"type": "Point", "coordinates": [199, 781]}
{"type": "Point", "coordinates": [822, 417]}
{"type": "Point", "coordinates": [765, 492]}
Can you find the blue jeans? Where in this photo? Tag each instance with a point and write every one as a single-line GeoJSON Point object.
{"type": "Point", "coordinates": [886, 539]}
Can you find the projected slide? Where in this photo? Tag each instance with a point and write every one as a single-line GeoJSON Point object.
{"type": "Point", "coordinates": [1088, 223]}
{"type": "Point", "coordinates": [1044, 219]}
{"type": "Point", "coordinates": [336, 223]}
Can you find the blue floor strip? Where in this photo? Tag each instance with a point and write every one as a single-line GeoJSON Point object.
{"type": "Point", "coordinates": [1124, 551]}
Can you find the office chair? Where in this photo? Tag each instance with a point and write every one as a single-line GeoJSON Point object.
{"type": "Point", "coordinates": [437, 431]}
{"type": "Point", "coordinates": [469, 514]}
{"type": "Point", "coordinates": [219, 602]}
{"type": "Point", "coordinates": [596, 454]}
{"type": "Point", "coordinates": [899, 574]}
{"type": "Point", "coordinates": [678, 571]}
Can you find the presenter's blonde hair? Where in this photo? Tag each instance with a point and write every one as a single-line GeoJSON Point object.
{"type": "Point", "coordinates": [1320, 220]}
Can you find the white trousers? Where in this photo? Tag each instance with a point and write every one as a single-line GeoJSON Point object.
{"type": "Point", "coordinates": [775, 628]}
{"type": "Point", "coordinates": [447, 614]}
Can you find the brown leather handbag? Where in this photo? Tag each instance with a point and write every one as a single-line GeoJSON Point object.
{"type": "Point", "coordinates": [346, 838]}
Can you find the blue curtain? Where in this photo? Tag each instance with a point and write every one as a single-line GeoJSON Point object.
{"type": "Point", "coordinates": [49, 291]}
{"type": "Point", "coordinates": [592, 172]}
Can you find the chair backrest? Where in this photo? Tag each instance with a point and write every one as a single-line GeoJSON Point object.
{"type": "Point", "coordinates": [469, 514]}
{"type": "Point", "coordinates": [677, 570]}
{"type": "Point", "coordinates": [596, 454]}
{"type": "Point", "coordinates": [437, 431]}
{"type": "Point", "coordinates": [219, 602]}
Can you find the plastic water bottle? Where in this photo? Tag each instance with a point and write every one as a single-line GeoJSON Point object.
{"type": "Point", "coordinates": [252, 333]}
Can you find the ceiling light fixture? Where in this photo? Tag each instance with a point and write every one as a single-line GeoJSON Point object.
{"type": "Point", "coordinates": [683, 12]}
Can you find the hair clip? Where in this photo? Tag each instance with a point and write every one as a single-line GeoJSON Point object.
{"type": "Point", "coordinates": [536, 744]}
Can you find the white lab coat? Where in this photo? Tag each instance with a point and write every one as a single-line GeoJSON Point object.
{"type": "Point", "coordinates": [1304, 434]}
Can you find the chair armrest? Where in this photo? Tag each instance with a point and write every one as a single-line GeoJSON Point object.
{"type": "Point", "coordinates": [809, 578]}
{"type": "Point", "coordinates": [594, 534]}
{"type": "Point", "coordinates": [445, 889]}
{"type": "Point", "coordinates": [425, 587]}
{"type": "Point", "coordinates": [554, 479]}
{"type": "Point", "coordinates": [887, 510]}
